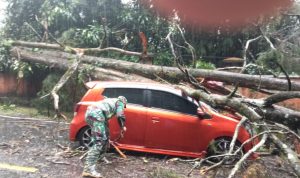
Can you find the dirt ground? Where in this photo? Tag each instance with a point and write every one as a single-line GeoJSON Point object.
{"type": "Point", "coordinates": [40, 148]}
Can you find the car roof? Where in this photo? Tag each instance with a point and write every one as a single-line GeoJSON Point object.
{"type": "Point", "coordinates": [140, 85]}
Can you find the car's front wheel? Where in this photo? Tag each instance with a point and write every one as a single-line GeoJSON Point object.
{"type": "Point", "coordinates": [221, 146]}
{"type": "Point", "coordinates": [84, 137]}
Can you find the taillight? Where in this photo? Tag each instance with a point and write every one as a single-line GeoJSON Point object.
{"type": "Point", "coordinates": [76, 109]}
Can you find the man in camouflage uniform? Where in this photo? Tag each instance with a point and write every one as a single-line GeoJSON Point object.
{"type": "Point", "coordinates": [97, 116]}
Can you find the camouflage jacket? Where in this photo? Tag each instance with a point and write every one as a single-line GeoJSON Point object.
{"type": "Point", "coordinates": [108, 107]}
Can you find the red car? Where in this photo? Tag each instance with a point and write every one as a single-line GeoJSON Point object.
{"type": "Point", "coordinates": [159, 119]}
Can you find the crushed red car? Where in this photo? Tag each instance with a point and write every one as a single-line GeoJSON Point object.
{"type": "Point", "coordinates": [160, 119]}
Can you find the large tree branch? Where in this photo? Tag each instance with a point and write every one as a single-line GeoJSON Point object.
{"type": "Point", "coordinates": [277, 114]}
{"type": "Point", "coordinates": [245, 65]}
{"type": "Point", "coordinates": [71, 70]}
{"type": "Point", "coordinates": [66, 48]}
{"type": "Point", "coordinates": [183, 69]}
{"type": "Point", "coordinates": [279, 97]}
{"type": "Point", "coordinates": [63, 64]}
{"type": "Point", "coordinates": [236, 104]}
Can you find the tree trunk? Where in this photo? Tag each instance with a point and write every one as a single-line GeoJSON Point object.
{"type": "Point", "coordinates": [63, 64]}
{"type": "Point", "coordinates": [171, 74]}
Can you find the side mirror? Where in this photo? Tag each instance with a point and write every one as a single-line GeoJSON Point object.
{"type": "Point", "coordinates": [202, 114]}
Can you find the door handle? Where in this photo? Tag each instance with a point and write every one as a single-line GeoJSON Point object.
{"type": "Point", "coordinates": [155, 120]}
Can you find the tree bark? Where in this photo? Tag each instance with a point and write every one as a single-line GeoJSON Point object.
{"type": "Point", "coordinates": [171, 74]}
{"type": "Point", "coordinates": [284, 116]}
{"type": "Point", "coordinates": [70, 71]}
{"type": "Point", "coordinates": [63, 64]}
{"type": "Point", "coordinates": [84, 50]}
{"type": "Point", "coordinates": [277, 114]}
{"type": "Point", "coordinates": [282, 96]}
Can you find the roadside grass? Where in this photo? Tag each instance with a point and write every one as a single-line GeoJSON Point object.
{"type": "Point", "coordinates": [16, 108]}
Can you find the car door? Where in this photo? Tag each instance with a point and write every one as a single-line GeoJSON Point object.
{"type": "Point", "coordinates": [135, 113]}
{"type": "Point", "coordinates": [172, 123]}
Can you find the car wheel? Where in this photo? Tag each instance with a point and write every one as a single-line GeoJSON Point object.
{"type": "Point", "coordinates": [221, 146]}
{"type": "Point", "coordinates": [84, 137]}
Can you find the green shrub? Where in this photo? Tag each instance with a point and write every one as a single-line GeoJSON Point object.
{"type": "Point", "coordinates": [270, 59]}
{"type": "Point", "coordinates": [200, 64]}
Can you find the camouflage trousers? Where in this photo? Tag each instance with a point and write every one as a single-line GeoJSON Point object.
{"type": "Point", "coordinates": [99, 137]}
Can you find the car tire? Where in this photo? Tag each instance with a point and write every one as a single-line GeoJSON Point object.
{"type": "Point", "coordinates": [221, 146]}
{"type": "Point", "coordinates": [84, 137]}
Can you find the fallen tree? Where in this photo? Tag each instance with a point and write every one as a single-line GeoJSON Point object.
{"type": "Point", "coordinates": [61, 60]}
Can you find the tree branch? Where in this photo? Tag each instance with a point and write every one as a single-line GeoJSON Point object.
{"type": "Point", "coordinates": [66, 48]}
{"type": "Point", "coordinates": [190, 47]}
{"type": "Point", "coordinates": [37, 34]}
{"type": "Point", "coordinates": [253, 149]}
{"type": "Point", "coordinates": [191, 79]}
{"type": "Point", "coordinates": [286, 75]}
{"type": "Point", "coordinates": [72, 69]}
{"type": "Point", "coordinates": [247, 47]}
{"type": "Point", "coordinates": [290, 154]}
{"type": "Point", "coordinates": [279, 97]}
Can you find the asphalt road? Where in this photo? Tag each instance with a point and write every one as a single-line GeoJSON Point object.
{"type": "Point", "coordinates": [35, 148]}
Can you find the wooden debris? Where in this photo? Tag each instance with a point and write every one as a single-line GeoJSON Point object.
{"type": "Point", "coordinates": [118, 150]}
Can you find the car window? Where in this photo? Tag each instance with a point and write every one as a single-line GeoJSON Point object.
{"type": "Point", "coordinates": [133, 95]}
{"type": "Point", "coordinates": [169, 101]}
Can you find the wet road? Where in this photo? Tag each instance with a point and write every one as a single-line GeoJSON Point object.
{"type": "Point", "coordinates": [35, 148]}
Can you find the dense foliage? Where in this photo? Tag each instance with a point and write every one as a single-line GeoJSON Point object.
{"type": "Point", "coordinates": [105, 23]}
